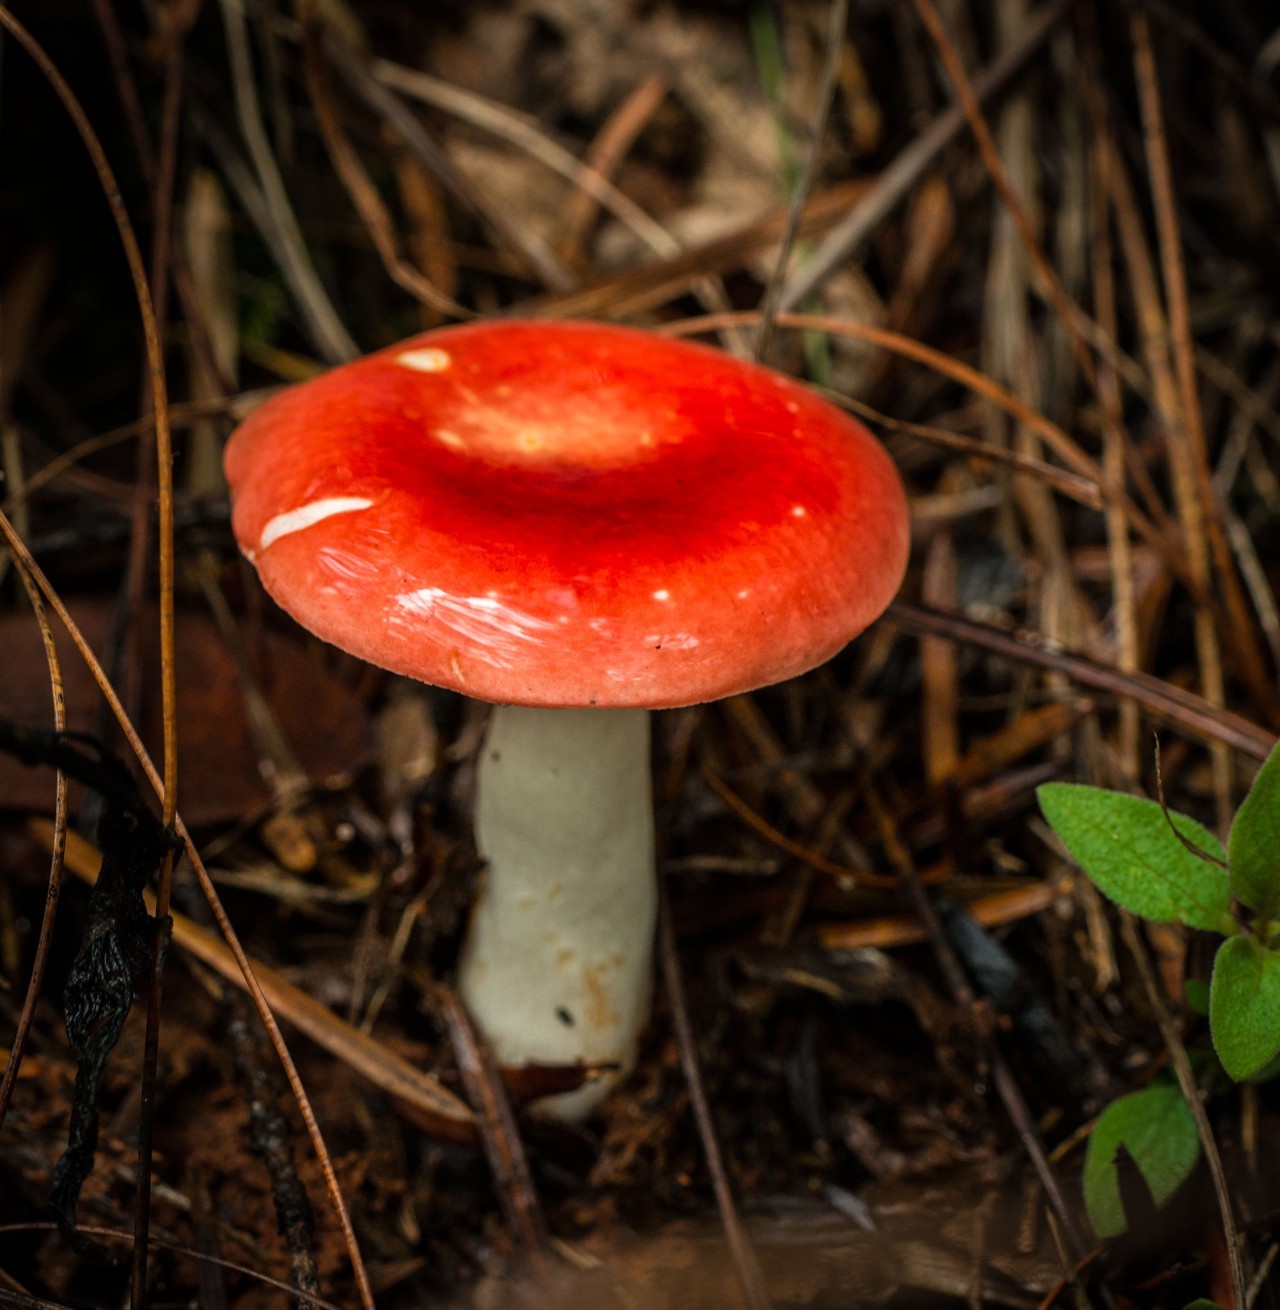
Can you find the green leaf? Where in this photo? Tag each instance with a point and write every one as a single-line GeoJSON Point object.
{"type": "Point", "coordinates": [1156, 1126]}
{"type": "Point", "coordinates": [1244, 1006]}
{"type": "Point", "coordinates": [1268, 1072]}
{"type": "Point", "coordinates": [1125, 844]}
{"type": "Point", "coordinates": [1254, 848]}
{"type": "Point", "coordinates": [1196, 994]}
{"type": "Point", "coordinates": [1202, 1303]}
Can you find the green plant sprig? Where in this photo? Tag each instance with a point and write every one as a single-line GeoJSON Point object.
{"type": "Point", "coordinates": [1166, 867]}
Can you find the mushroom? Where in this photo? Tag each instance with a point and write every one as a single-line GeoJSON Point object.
{"type": "Point", "coordinates": [579, 523]}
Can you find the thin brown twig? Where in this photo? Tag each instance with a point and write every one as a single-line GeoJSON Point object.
{"type": "Point", "coordinates": [1191, 1092]}
{"type": "Point", "coordinates": [1069, 313]}
{"type": "Point", "coordinates": [126, 88]}
{"type": "Point", "coordinates": [1083, 490]}
{"type": "Point", "coordinates": [1228, 612]}
{"type": "Point", "coordinates": [159, 390]}
{"type": "Point", "coordinates": [531, 136]}
{"type": "Point", "coordinates": [819, 863]}
{"type": "Point", "coordinates": [135, 585]}
{"type": "Point", "coordinates": [1181, 709]}
{"type": "Point", "coordinates": [744, 1257]}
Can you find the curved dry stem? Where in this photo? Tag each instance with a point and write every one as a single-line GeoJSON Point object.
{"type": "Point", "coordinates": [59, 848]}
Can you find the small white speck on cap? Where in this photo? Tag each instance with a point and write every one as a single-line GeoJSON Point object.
{"type": "Point", "coordinates": [428, 359]}
{"type": "Point", "coordinates": [306, 516]}
{"type": "Point", "coordinates": [744, 593]}
{"type": "Point", "coordinates": [798, 511]}
{"type": "Point", "coordinates": [450, 439]}
{"type": "Point", "coordinates": [662, 594]}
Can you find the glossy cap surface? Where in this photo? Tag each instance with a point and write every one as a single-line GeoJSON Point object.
{"type": "Point", "coordinates": [569, 514]}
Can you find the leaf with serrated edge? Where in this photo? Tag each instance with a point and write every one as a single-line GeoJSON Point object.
{"type": "Point", "coordinates": [1125, 844]}
{"type": "Point", "coordinates": [1157, 1128]}
{"type": "Point", "coordinates": [1244, 1006]}
{"type": "Point", "coordinates": [1253, 853]}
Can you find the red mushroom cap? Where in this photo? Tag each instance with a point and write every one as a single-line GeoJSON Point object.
{"type": "Point", "coordinates": [569, 514]}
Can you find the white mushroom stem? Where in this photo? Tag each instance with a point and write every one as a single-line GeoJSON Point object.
{"type": "Point", "coordinates": [557, 966]}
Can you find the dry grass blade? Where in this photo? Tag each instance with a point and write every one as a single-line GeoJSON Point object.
{"type": "Point", "coordinates": [330, 335]}
{"type": "Point", "coordinates": [970, 103]}
{"type": "Point", "coordinates": [1114, 454]}
{"type": "Point", "coordinates": [837, 23]}
{"type": "Point", "coordinates": [897, 181]}
{"type": "Point", "coordinates": [1174, 273]}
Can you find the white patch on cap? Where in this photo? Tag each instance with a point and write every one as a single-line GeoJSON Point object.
{"type": "Point", "coordinates": [497, 630]}
{"type": "Point", "coordinates": [798, 511]}
{"type": "Point", "coordinates": [430, 359]}
{"type": "Point", "coordinates": [662, 594]}
{"type": "Point", "coordinates": [306, 516]}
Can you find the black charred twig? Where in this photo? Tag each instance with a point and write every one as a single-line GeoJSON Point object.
{"type": "Point", "coordinates": [272, 1141]}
